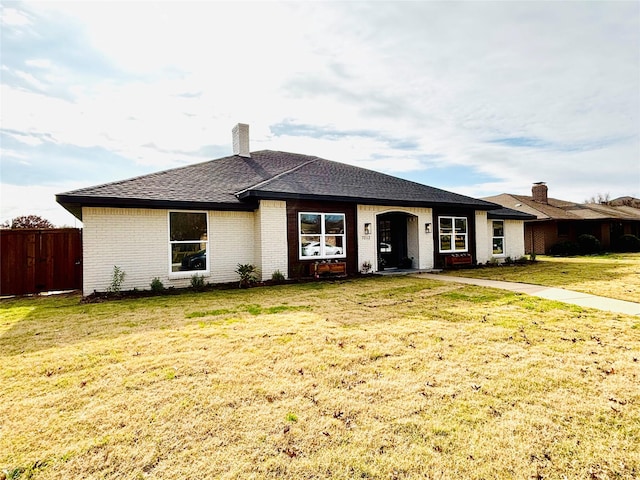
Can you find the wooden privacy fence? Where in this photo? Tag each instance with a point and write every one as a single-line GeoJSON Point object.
{"type": "Point", "coordinates": [35, 261]}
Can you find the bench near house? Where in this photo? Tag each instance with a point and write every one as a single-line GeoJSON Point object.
{"type": "Point", "coordinates": [282, 212]}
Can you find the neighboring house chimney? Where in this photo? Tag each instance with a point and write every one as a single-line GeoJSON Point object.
{"type": "Point", "coordinates": [241, 140]}
{"type": "Point", "coordinates": [539, 192]}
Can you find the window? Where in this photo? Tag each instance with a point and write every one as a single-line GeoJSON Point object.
{"type": "Point", "coordinates": [384, 236]}
{"type": "Point", "coordinates": [453, 234]}
{"type": "Point", "coordinates": [322, 235]}
{"type": "Point", "coordinates": [188, 241]}
{"type": "Point", "coordinates": [563, 229]}
{"type": "Point", "coordinates": [498, 237]}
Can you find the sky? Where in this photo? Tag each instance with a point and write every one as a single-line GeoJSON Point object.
{"type": "Point", "coordinates": [475, 97]}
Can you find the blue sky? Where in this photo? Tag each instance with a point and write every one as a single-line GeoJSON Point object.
{"type": "Point", "coordinates": [480, 98]}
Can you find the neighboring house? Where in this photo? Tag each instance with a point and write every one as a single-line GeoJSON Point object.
{"type": "Point", "coordinates": [281, 212]}
{"type": "Point", "coordinates": [558, 220]}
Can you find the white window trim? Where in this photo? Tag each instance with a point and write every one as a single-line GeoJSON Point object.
{"type": "Point", "coordinates": [453, 234]}
{"type": "Point", "coordinates": [188, 274]}
{"type": "Point", "coordinates": [504, 249]}
{"type": "Point", "coordinates": [322, 236]}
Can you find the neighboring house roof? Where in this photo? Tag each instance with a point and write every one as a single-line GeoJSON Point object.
{"type": "Point", "coordinates": [556, 209]}
{"type": "Point", "coordinates": [237, 183]}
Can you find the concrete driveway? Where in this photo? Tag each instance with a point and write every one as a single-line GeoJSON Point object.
{"type": "Point", "coordinates": [549, 293]}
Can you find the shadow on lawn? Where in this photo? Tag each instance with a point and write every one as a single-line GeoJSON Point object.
{"type": "Point", "coordinates": [32, 324]}
{"type": "Point", "coordinates": [29, 325]}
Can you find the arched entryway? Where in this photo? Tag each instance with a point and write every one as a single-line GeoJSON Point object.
{"type": "Point", "coordinates": [397, 245]}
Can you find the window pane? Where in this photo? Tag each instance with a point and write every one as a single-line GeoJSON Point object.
{"type": "Point", "coordinates": [446, 225]}
{"type": "Point", "coordinates": [188, 256]}
{"type": "Point", "coordinates": [498, 229]}
{"type": "Point", "coordinates": [334, 246]}
{"type": "Point", "coordinates": [309, 246]}
{"type": "Point", "coordinates": [384, 232]}
{"type": "Point", "coordinates": [310, 223]}
{"type": "Point", "coordinates": [461, 242]}
{"type": "Point", "coordinates": [461, 225]}
{"type": "Point", "coordinates": [445, 242]}
{"type": "Point", "coordinates": [187, 226]}
{"type": "Point", "coordinates": [498, 246]}
{"type": "Point", "coordinates": [333, 224]}
{"type": "Point", "coordinates": [563, 229]}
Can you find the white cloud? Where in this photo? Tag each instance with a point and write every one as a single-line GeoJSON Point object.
{"type": "Point", "coordinates": [11, 17]}
{"type": "Point", "coordinates": [19, 200]}
{"type": "Point", "coordinates": [453, 77]}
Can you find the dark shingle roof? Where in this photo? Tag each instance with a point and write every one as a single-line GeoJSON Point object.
{"type": "Point", "coordinates": [236, 182]}
{"type": "Point", "coordinates": [509, 214]}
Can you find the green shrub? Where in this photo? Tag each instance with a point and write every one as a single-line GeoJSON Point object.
{"type": "Point", "coordinates": [588, 244]}
{"type": "Point", "coordinates": [197, 282]}
{"type": "Point", "coordinates": [157, 286]}
{"type": "Point", "coordinates": [564, 249]}
{"type": "Point", "coordinates": [628, 243]}
{"type": "Point", "coordinates": [117, 278]}
{"type": "Point", "coordinates": [248, 274]}
{"type": "Point", "coordinates": [277, 276]}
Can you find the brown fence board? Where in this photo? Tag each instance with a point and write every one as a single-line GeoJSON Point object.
{"type": "Point", "coordinates": [33, 261]}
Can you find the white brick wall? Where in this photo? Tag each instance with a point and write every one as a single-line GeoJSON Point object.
{"type": "Point", "coordinates": [271, 235]}
{"type": "Point", "coordinates": [483, 237]}
{"type": "Point", "coordinates": [513, 239]}
{"type": "Point", "coordinates": [232, 242]}
{"type": "Point", "coordinates": [137, 241]}
{"type": "Point", "coordinates": [419, 243]}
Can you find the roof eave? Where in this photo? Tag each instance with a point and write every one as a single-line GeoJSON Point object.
{"type": "Point", "coordinates": [74, 204]}
{"type": "Point", "coordinates": [268, 195]}
{"type": "Point", "coordinates": [510, 216]}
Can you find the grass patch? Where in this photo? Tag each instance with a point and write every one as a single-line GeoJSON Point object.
{"type": "Point", "coordinates": [251, 309]}
{"type": "Point", "coordinates": [613, 275]}
{"type": "Point", "coordinates": [382, 377]}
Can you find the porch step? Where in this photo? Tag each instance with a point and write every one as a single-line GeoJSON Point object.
{"type": "Point", "coordinates": [406, 271]}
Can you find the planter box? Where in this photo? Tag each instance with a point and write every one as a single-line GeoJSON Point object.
{"type": "Point", "coordinates": [458, 259]}
{"type": "Point", "coordinates": [324, 269]}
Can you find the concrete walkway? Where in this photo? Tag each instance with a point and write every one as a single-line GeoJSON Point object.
{"type": "Point", "coordinates": [549, 293]}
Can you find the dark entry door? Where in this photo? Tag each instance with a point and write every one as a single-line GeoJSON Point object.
{"type": "Point", "coordinates": [392, 239]}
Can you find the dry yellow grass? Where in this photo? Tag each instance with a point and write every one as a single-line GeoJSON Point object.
{"type": "Point", "coordinates": [613, 275]}
{"type": "Point", "coordinates": [372, 378]}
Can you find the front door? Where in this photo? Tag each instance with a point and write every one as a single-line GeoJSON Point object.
{"type": "Point", "coordinates": [392, 240]}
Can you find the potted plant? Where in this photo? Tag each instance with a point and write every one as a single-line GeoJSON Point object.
{"type": "Point", "coordinates": [406, 263]}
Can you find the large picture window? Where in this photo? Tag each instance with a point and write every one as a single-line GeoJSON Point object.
{"type": "Point", "coordinates": [453, 234]}
{"type": "Point", "coordinates": [188, 241]}
{"type": "Point", "coordinates": [322, 235]}
{"type": "Point", "coordinates": [498, 237]}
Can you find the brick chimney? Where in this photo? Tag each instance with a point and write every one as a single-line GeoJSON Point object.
{"type": "Point", "coordinates": [539, 192]}
{"type": "Point", "coordinates": [241, 140]}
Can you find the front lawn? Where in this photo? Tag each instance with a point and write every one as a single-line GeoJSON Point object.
{"type": "Point", "coordinates": [613, 275]}
{"type": "Point", "coordinates": [382, 377]}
